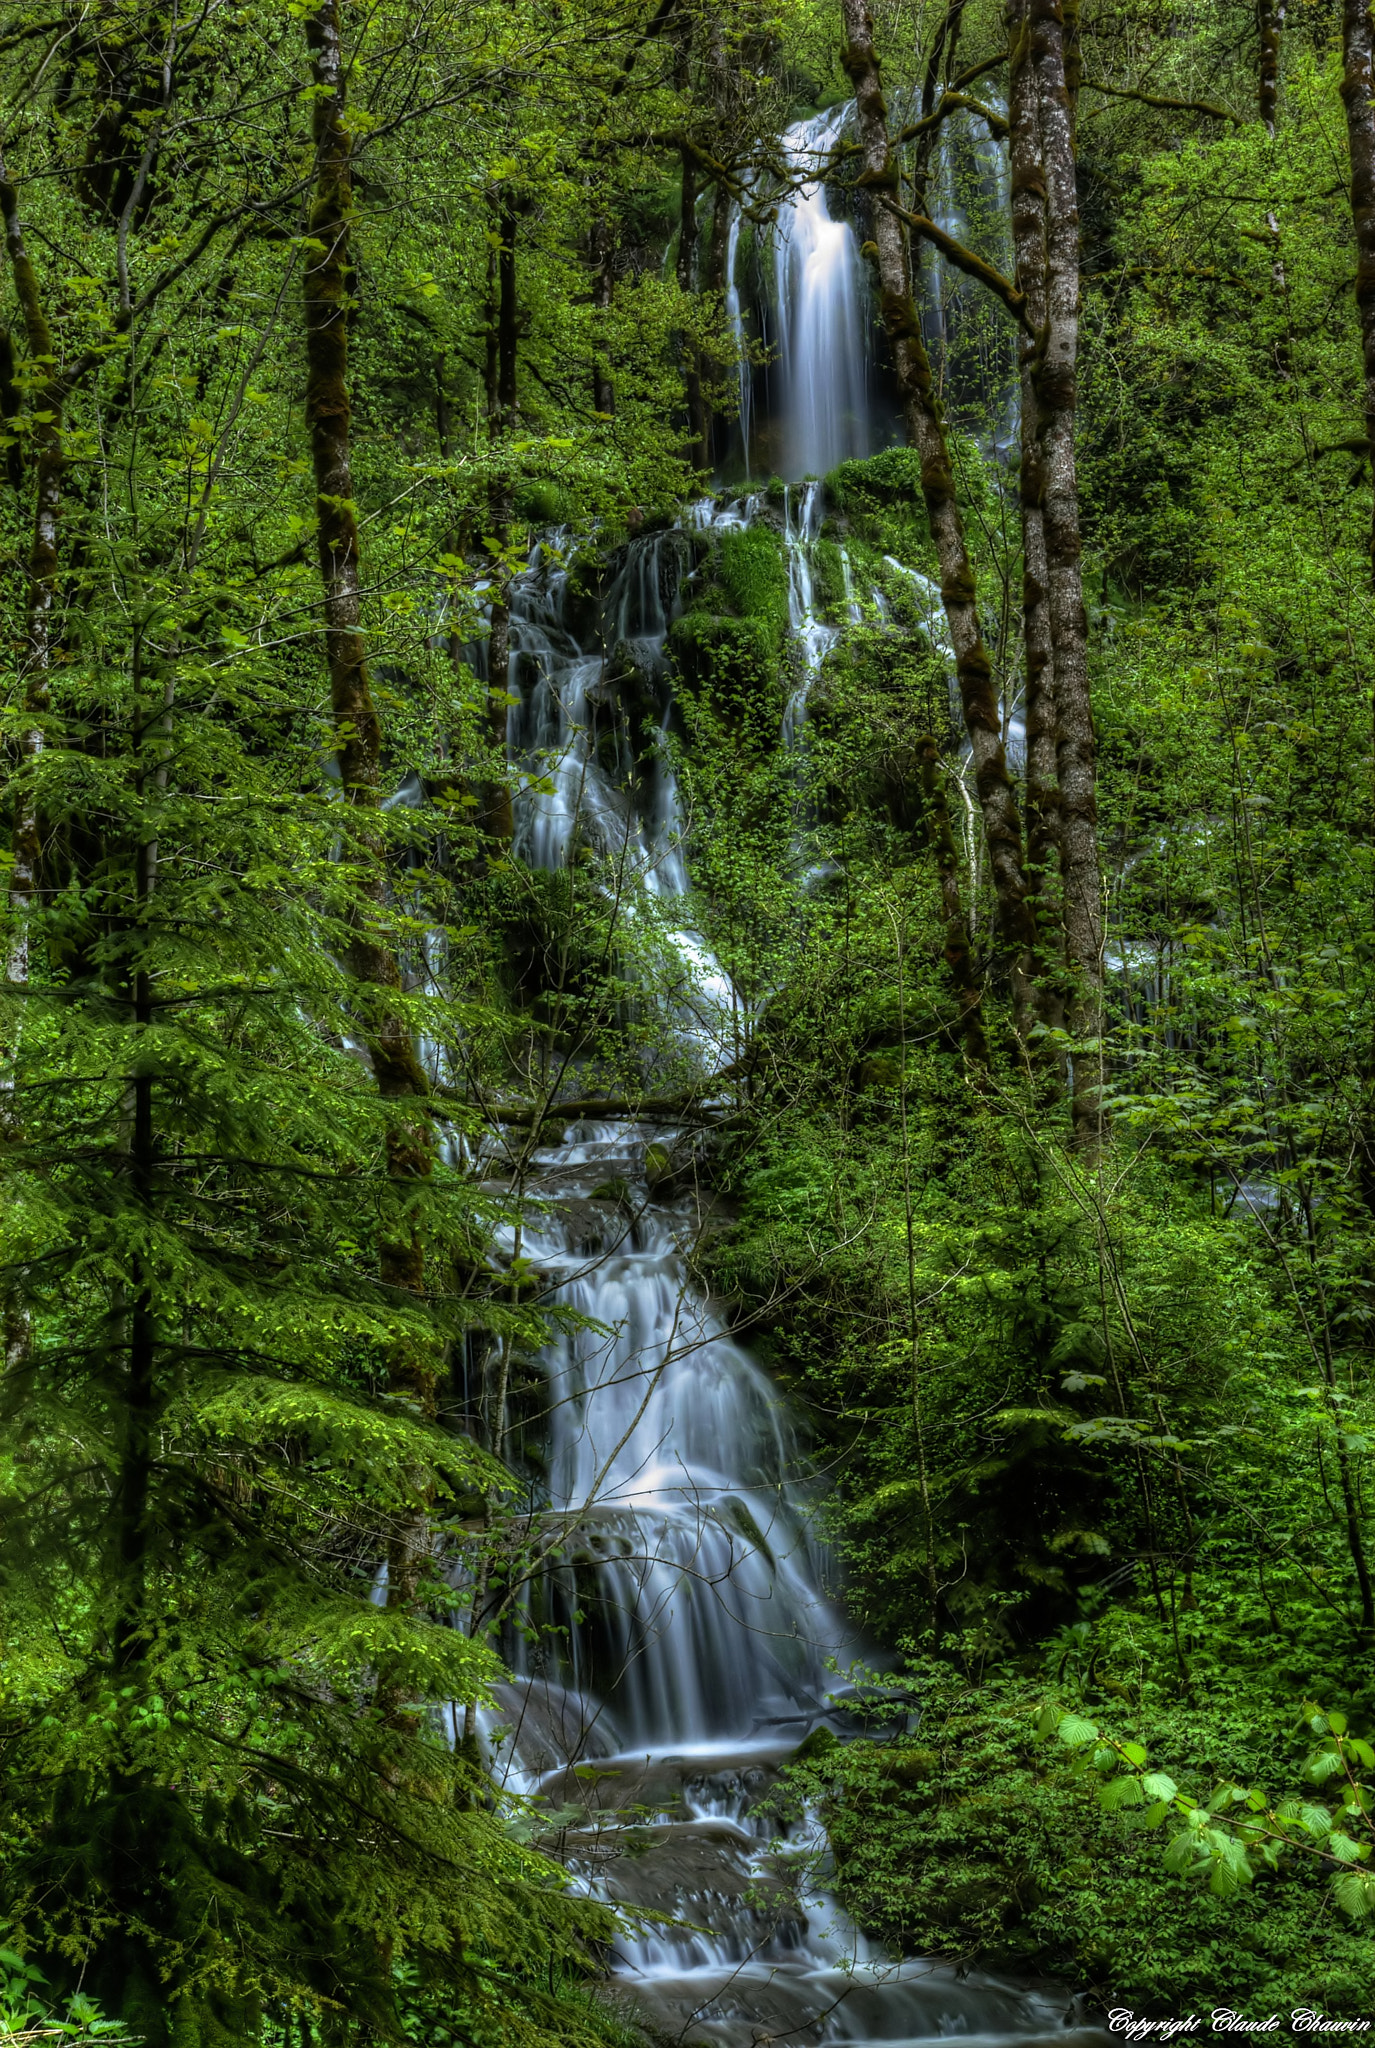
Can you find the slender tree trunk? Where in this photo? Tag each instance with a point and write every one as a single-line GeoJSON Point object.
{"type": "Point", "coordinates": [711, 365]}
{"type": "Point", "coordinates": [1042, 787]}
{"type": "Point", "coordinates": [1002, 822]}
{"type": "Point", "coordinates": [698, 447]}
{"type": "Point", "coordinates": [1056, 398]}
{"type": "Point", "coordinates": [10, 407]}
{"type": "Point", "coordinates": [1358, 91]}
{"type": "Point", "coordinates": [42, 586]}
{"type": "Point", "coordinates": [371, 956]}
{"type": "Point", "coordinates": [503, 408]}
{"type": "Point", "coordinates": [1271, 23]}
{"type": "Point", "coordinates": [602, 251]}
{"type": "Point", "coordinates": [959, 958]}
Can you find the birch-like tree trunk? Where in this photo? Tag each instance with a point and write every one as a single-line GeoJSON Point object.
{"type": "Point", "coordinates": [1271, 30]}
{"type": "Point", "coordinates": [891, 257]}
{"type": "Point", "coordinates": [1057, 399]}
{"type": "Point", "coordinates": [1042, 786]}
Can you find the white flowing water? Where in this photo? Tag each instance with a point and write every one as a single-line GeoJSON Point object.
{"type": "Point", "coordinates": [823, 325]}
{"type": "Point", "coordinates": [736, 316]}
{"type": "Point", "coordinates": [684, 1636]}
{"type": "Point", "coordinates": [813, 639]}
{"type": "Point", "coordinates": [682, 1639]}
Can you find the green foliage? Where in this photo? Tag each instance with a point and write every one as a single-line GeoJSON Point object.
{"type": "Point", "coordinates": [754, 577]}
{"type": "Point", "coordinates": [1240, 1831]}
{"type": "Point", "coordinates": [958, 1833]}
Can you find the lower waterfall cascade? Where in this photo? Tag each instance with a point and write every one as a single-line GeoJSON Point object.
{"type": "Point", "coordinates": [685, 1643]}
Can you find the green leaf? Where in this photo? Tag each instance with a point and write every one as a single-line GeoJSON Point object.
{"type": "Point", "coordinates": [1075, 1731]}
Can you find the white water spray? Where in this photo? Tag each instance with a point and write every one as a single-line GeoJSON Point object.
{"type": "Point", "coordinates": [822, 329]}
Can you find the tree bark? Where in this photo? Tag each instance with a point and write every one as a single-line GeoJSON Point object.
{"type": "Point", "coordinates": [1271, 25]}
{"type": "Point", "coordinates": [959, 959]}
{"type": "Point", "coordinates": [42, 585]}
{"type": "Point", "coordinates": [926, 431]}
{"type": "Point", "coordinates": [1056, 397]}
{"type": "Point", "coordinates": [602, 251]}
{"type": "Point", "coordinates": [1358, 90]}
{"type": "Point", "coordinates": [1042, 787]}
{"type": "Point", "coordinates": [503, 411]}
{"type": "Point", "coordinates": [699, 450]}
{"type": "Point", "coordinates": [371, 957]}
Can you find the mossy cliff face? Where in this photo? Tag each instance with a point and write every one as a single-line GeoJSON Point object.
{"type": "Point", "coordinates": [729, 647]}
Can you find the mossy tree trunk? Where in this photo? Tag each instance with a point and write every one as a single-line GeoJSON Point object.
{"type": "Point", "coordinates": [1057, 400]}
{"type": "Point", "coordinates": [372, 956]}
{"type": "Point", "coordinates": [503, 411]}
{"type": "Point", "coordinates": [699, 449]}
{"type": "Point", "coordinates": [1358, 91]}
{"type": "Point", "coordinates": [602, 251]}
{"type": "Point", "coordinates": [36, 655]}
{"type": "Point", "coordinates": [890, 255]}
{"type": "Point", "coordinates": [964, 975]}
{"type": "Point", "coordinates": [1042, 786]}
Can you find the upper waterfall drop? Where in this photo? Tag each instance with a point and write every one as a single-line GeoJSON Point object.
{"type": "Point", "coordinates": [823, 342]}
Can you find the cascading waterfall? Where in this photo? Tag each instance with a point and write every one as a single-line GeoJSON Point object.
{"type": "Point", "coordinates": [735, 314]}
{"type": "Point", "coordinates": [813, 638]}
{"type": "Point", "coordinates": [823, 342]}
{"type": "Point", "coordinates": [682, 1641]}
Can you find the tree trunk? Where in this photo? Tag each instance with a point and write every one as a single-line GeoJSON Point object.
{"type": "Point", "coordinates": [503, 412]}
{"type": "Point", "coordinates": [602, 249]}
{"type": "Point", "coordinates": [1002, 822]}
{"type": "Point", "coordinates": [1056, 398]}
{"type": "Point", "coordinates": [959, 960]}
{"type": "Point", "coordinates": [42, 586]}
{"type": "Point", "coordinates": [1042, 787]}
{"type": "Point", "coordinates": [699, 453]}
{"type": "Point", "coordinates": [371, 957]}
{"type": "Point", "coordinates": [1271, 29]}
{"type": "Point", "coordinates": [1358, 90]}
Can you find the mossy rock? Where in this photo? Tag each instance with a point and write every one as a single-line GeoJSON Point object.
{"type": "Point", "coordinates": [754, 576]}
{"type": "Point", "coordinates": [658, 1165]}
{"type": "Point", "coordinates": [910, 1766]}
{"type": "Point", "coordinates": [820, 1742]}
{"type": "Point", "coordinates": [735, 667]}
{"type": "Point", "coordinates": [892, 477]}
{"type": "Point", "coordinates": [543, 504]}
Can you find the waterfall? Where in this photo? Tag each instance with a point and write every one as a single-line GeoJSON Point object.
{"type": "Point", "coordinates": [822, 329]}
{"type": "Point", "coordinates": [735, 315]}
{"type": "Point", "coordinates": [813, 639]}
{"type": "Point", "coordinates": [681, 1639]}
{"type": "Point", "coordinates": [970, 198]}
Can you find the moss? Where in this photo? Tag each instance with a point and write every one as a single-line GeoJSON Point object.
{"type": "Point", "coordinates": [754, 577]}
{"type": "Point", "coordinates": [828, 581]}
{"type": "Point", "coordinates": [730, 681]}
{"type": "Point", "coordinates": [543, 504]}
{"type": "Point", "coordinates": [890, 478]}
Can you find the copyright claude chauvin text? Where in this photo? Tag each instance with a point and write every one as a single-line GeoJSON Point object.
{"type": "Point", "coordinates": [1223, 2020]}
